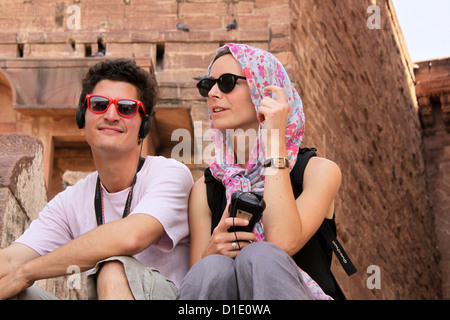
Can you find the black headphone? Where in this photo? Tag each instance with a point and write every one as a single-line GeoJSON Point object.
{"type": "Point", "coordinates": [143, 130]}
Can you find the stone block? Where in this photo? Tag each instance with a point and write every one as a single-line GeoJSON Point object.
{"type": "Point", "coordinates": [21, 165]}
{"type": "Point", "coordinates": [13, 220]}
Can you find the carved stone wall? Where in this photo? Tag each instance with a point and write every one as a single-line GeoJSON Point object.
{"type": "Point", "coordinates": [433, 92]}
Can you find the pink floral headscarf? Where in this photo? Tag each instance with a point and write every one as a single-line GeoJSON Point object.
{"type": "Point", "coordinates": [261, 69]}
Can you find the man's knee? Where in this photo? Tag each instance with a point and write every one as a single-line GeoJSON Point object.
{"type": "Point", "coordinates": [111, 269]}
{"type": "Point", "coordinates": [112, 282]}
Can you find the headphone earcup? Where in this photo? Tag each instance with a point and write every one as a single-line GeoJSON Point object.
{"type": "Point", "coordinates": [79, 117]}
{"type": "Point", "coordinates": [145, 127]}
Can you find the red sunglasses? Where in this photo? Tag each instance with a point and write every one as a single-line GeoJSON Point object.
{"type": "Point", "coordinates": [127, 108]}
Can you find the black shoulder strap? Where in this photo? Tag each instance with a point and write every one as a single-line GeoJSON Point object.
{"type": "Point", "coordinates": [304, 154]}
{"type": "Point", "coordinates": [209, 180]}
{"type": "Point", "coordinates": [325, 230]}
{"type": "Point", "coordinates": [217, 200]}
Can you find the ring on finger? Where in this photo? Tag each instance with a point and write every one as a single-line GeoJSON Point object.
{"type": "Point", "coordinates": [234, 245]}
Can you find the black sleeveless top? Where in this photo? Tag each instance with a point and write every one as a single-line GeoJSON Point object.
{"type": "Point", "coordinates": [315, 256]}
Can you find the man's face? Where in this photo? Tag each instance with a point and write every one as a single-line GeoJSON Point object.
{"type": "Point", "coordinates": [109, 132]}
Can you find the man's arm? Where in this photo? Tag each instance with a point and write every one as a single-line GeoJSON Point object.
{"type": "Point", "coordinates": [127, 236]}
{"type": "Point", "coordinates": [12, 257]}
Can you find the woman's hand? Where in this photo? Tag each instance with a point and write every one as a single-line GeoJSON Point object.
{"type": "Point", "coordinates": [228, 243]}
{"type": "Point", "coordinates": [273, 114]}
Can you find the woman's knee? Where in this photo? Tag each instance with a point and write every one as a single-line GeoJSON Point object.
{"type": "Point", "coordinates": [213, 277]}
{"type": "Point", "coordinates": [218, 268]}
{"type": "Point", "coordinates": [259, 252]}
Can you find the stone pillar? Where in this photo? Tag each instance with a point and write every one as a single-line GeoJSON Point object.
{"type": "Point", "coordinates": [23, 195]}
{"type": "Point", "coordinates": [22, 186]}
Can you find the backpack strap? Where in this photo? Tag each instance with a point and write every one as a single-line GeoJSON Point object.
{"type": "Point", "coordinates": [325, 229]}
{"type": "Point", "coordinates": [217, 200]}
{"type": "Point", "coordinates": [304, 154]}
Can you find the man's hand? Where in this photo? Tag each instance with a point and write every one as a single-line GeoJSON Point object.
{"type": "Point", "coordinates": [11, 272]}
{"type": "Point", "coordinates": [13, 283]}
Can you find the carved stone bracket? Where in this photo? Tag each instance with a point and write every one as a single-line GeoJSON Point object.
{"type": "Point", "coordinates": [426, 112]}
{"type": "Point", "coordinates": [445, 104]}
{"type": "Point", "coordinates": [426, 115]}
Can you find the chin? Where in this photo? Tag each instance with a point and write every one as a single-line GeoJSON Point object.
{"type": "Point", "coordinates": [107, 145]}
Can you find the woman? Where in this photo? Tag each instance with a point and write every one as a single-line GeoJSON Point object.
{"type": "Point", "coordinates": [248, 91]}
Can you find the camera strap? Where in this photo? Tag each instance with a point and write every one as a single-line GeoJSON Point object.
{"type": "Point", "coordinates": [98, 199]}
{"type": "Point", "coordinates": [338, 249]}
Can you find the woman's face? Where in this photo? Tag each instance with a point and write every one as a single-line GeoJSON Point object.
{"type": "Point", "coordinates": [233, 110]}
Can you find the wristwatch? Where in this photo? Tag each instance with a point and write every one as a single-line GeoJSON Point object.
{"type": "Point", "coordinates": [277, 162]}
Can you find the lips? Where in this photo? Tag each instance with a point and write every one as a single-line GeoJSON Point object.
{"type": "Point", "coordinates": [218, 109]}
{"type": "Point", "coordinates": [110, 129]}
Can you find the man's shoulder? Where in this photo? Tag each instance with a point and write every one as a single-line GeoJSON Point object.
{"type": "Point", "coordinates": [83, 185]}
{"type": "Point", "coordinates": [89, 179]}
{"type": "Point", "coordinates": [163, 165]}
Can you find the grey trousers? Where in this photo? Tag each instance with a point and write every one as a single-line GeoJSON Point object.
{"type": "Point", "coordinates": [261, 271]}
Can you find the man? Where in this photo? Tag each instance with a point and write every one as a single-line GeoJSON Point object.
{"type": "Point", "coordinates": [128, 219]}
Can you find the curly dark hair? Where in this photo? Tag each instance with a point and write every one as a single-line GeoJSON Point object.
{"type": "Point", "coordinates": [124, 70]}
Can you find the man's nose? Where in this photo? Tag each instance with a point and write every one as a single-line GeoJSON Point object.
{"type": "Point", "coordinates": [111, 114]}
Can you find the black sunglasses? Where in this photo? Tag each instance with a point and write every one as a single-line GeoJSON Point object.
{"type": "Point", "coordinates": [226, 83]}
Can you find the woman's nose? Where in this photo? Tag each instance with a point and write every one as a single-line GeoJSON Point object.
{"type": "Point", "coordinates": [215, 91]}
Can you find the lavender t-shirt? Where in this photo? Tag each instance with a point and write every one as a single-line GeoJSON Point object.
{"type": "Point", "coordinates": [162, 191]}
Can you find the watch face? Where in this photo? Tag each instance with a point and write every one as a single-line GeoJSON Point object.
{"type": "Point", "coordinates": [276, 163]}
{"type": "Point", "coordinates": [279, 163]}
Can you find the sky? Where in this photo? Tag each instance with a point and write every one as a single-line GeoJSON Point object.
{"type": "Point", "coordinates": [426, 27]}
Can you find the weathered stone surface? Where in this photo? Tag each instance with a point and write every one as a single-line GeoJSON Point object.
{"type": "Point", "coordinates": [13, 221]}
{"type": "Point", "coordinates": [22, 196]}
{"type": "Point", "coordinates": [21, 165]}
